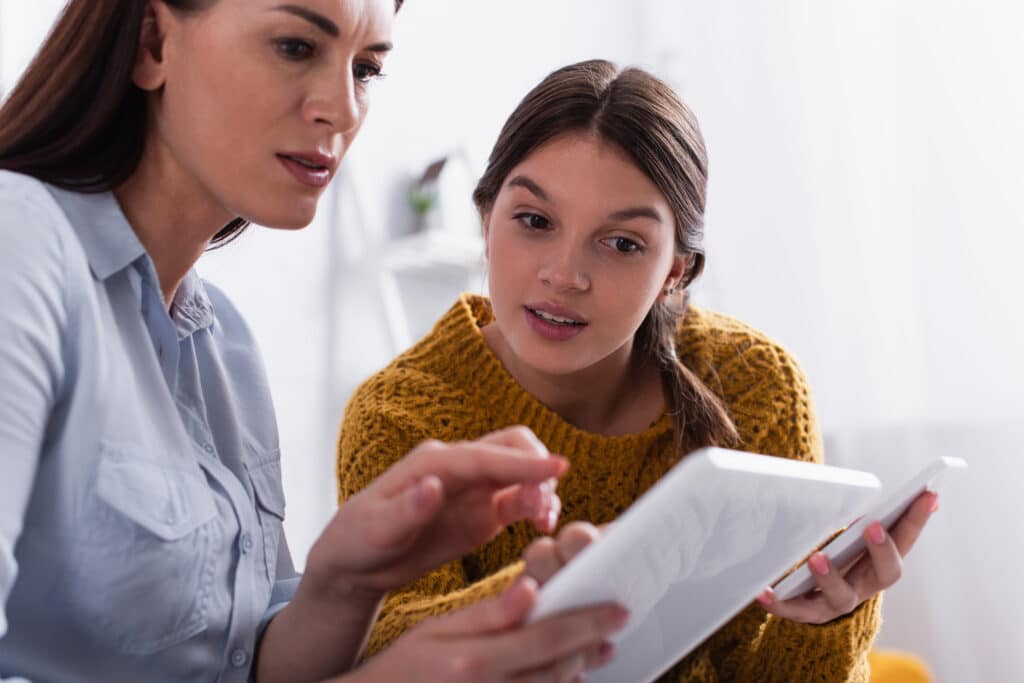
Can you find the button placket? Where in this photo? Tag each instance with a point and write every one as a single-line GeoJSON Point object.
{"type": "Point", "coordinates": [246, 543]}
{"type": "Point", "coordinates": [239, 658]}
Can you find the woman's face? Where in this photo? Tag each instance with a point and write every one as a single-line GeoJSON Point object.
{"type": "Point", "coordinates": [580, 245]}
{"type": "Point", "coordinates": [257, 101]}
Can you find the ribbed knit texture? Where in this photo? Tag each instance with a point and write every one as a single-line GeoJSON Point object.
{"type": "Point", "coordinates": [450, 386]}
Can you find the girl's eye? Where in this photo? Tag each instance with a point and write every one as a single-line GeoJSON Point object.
{"type": "Point", "coordinates": [533, 221]}
{"type": "Point", "coordinates": [624, 245]}
{"type": "Point", "coordinates": [294, 49]}
{"type": "Point", "coordinates": [365, 73]}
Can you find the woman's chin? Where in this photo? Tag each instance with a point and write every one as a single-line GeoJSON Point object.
{"type": "Point", "coordinates": [294, 217]}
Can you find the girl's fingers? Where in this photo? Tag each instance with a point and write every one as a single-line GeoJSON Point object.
{"type": "Point", "coordinates": [906, 531]}
{"type": "Point", "coordinates": [834, 597]}
{"type": "Point", "coordinates": [839, 595]}
{"type": "Point", "coordinates": [542, 559]}
{"type": "Point", "coordinates": [574, 538]}
{"type": "Point", "coordinates": [883, 562]}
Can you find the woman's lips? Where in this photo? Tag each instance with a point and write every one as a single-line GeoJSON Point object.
{"type": "Point", "coordinates": [309, 173]}
{"type": "Point", "coordinates": [550, 330]}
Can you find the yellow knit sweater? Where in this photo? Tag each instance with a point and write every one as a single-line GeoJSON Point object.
{"type": "Point", "coordinates": [450, 386]}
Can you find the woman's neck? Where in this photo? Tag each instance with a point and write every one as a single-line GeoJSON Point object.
{"type": "Point", "coordinates": [173, 217]}
{"type": "Point", "coordinates": [618, 395]}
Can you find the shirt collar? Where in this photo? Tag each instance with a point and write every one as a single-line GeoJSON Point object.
{"type": "Point", "coordinates": [191, 309]}
{"type": "Point", "coordinates": [111, 245]}
{"type": "Point", "coordinates": [109, 242]}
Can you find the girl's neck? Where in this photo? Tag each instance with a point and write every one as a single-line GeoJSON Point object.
{"type": "Point", "coordinates": [619, 395]}
{"type": "Point", "coordinates": [173, 217]}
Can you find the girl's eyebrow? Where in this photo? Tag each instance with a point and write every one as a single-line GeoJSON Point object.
{"type": "Point", "coordinates": [636, 212]}
{"type": "Point", "coordinates": [529, 185]}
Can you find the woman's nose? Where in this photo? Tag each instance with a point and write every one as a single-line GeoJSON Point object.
{"type": "Point", "coordinates": [335, 103]}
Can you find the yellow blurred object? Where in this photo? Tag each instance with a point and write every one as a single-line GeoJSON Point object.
{"type": "Point", "coordinates": [892, 666]}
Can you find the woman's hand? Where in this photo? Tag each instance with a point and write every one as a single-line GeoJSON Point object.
{"type": "Point", "coordinates": [433, 506]}
{"type": "Point", "coordinates": [841, 592]}
{"type": "Point", "coordinates": [488, 642]}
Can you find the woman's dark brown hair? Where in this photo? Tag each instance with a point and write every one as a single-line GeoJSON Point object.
{"type": "Point", "coordinates": [643, 116]}
{"type": "Point", "coordinates": [75, 119]}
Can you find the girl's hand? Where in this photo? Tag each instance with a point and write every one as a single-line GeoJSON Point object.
{"type": "Point", "coordinates": [547, 555]}
{"type": "Point", "coordinates": [841, 592]}
{"type": "Point", "coordinates": [487, 642]}
{"type": "Point", "coordinates": [433, 506]}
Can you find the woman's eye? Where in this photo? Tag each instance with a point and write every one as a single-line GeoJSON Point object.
{"type": "Point", "coordinates": [533, 221]}
{"type": "Point", "coordinates": [294, 48]}
{"type": "Point", "coordinates": [624, 245]}
{"type": "Point", "coordinates": [365, 73]}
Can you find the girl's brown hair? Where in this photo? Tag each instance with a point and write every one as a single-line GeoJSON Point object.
{"type": "Point", "coordinates": [643, 116]}
{"type": "Point", "coordinates": [75, 119]}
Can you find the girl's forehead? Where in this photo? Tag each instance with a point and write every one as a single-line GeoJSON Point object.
{"type": "Point", "coordinates": [582, 166]}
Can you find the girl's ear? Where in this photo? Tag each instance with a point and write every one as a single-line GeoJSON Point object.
{"type": "Point", "coordinates": [681, 265]}
{"type": "Point", "coordinates": [149, 72]}
{"type": "Point", "coordinates": [485, 224]}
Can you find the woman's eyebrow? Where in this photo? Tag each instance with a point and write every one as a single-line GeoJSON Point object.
{"type": "Point", "coordinates": [325, 24]}
{"type": "Point", "coordinates": [318, 20]}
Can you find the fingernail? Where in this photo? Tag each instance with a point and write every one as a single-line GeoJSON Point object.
{"type": "Point", "coordinates": [935, 505]}
{"type": "Point", "coordinates": [876, 533]}
{"type": "Point", "coordinates": [620, 617]}
{"type": "Point", "coordinates": [422, 492]}
{"type": "Point", "coordinates": [765, 598]}
{"type": "Point", "coordinates": [819, 564]}
{"type": "Point", "coordinates": [510, 597]}
{"type": "Point", "coordinates": [605, 652]}
{"type": "Point", "coordinates": [552, 519]}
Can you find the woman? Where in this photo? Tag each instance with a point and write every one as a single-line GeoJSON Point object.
{"type": "Point", "coordinates": [140, 521]}
{"type": "Point", "coordinates": [592, 206]}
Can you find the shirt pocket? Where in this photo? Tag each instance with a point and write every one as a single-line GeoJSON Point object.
{"type": "Point", "coordinates": [143, 561]}
{"type": "Point", "coordinates": [265, 476]}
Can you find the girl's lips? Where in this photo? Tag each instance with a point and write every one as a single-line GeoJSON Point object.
{"type": "Point", "coordinates": [313, 177]}
{"type": "Point", "coordinates": [549, 330]}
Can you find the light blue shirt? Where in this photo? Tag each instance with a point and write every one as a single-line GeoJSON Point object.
{"type": "Point", "coordinates": [140, 476]}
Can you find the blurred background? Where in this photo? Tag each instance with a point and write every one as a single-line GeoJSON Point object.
{"type": "Point", "coordinates": [865, 209]}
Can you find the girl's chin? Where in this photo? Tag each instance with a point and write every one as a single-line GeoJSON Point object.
{"type": "Point", "coordinates": [554, 363]}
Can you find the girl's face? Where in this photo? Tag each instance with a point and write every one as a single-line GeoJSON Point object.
{"type": "Point", "coordinates": [580, 245]}
{"type": "Point", "coordinates": [255, 102]}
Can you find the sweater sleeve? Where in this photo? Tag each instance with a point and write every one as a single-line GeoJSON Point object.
{"type": "Point", "coordinates": [374, 435]}
{"type": "Point", "coordinates": [775, 416]}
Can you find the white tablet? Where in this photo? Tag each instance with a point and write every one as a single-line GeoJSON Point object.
{"type": "Point", "coordinates": [699, 546]}
{"type": "Point", "coordinates": [847, 546]}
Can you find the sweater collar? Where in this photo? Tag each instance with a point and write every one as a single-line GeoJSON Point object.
{"type": "Point", "coordinates": [473, 364]}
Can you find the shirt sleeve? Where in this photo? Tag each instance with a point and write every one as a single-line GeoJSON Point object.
{"type": "Point", "coordinates": [285, 585]}
{"type": "Point", "coordinates": [32, 318]}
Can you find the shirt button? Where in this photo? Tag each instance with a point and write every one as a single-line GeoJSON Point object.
{"type": "Point", "coordinates": [171, 519]}
{"type": "Point", "coordinates": [208, 447]}
{"type": "Point", "coordinates": [246, 542]}
{"type": "Point", "coordinates": [239, 658]}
